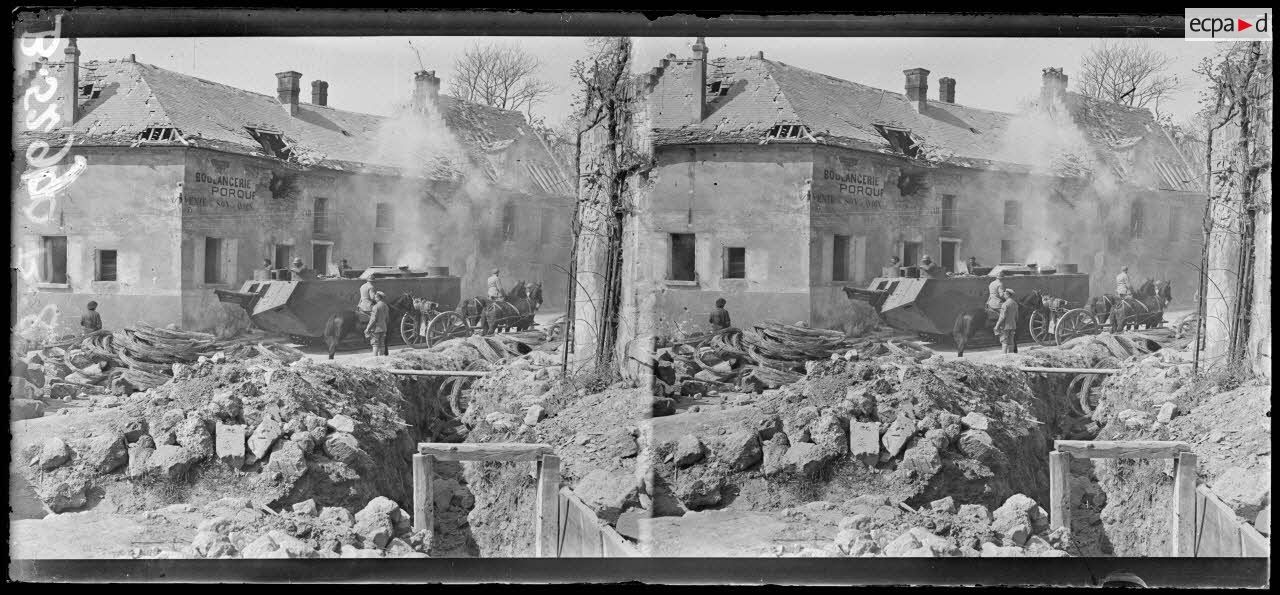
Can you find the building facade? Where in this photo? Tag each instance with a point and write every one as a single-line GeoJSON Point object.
{"type": "Point", "coordinates": [774, 187]}
{"type": "Point", "coordinates": [189, 185]}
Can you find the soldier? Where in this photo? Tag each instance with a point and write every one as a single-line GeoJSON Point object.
{"type": "Point", "coordinates": [720, 316]}
{"type": "Point", "coordinates": [343, 267]}
{"type": "Point", "coordinates": [994, 292]}
{"type": "Point", "coordinates": [300, 271]}
{"type": "Point", "coordinates": [495, 291]}
{"type": "Point", "coordinates": [930, 270]}
{"type": "Point", "coordinates": [894, 269]}
{"type": "Point", "coordinates": [333, 333]}
{"type": "Point", "coordinates": [91, 321]}
{"type": "Point", "coordinates": [1007, 325]}
{"type": "Point", "coordinates": [365, 306]}
{"type": "Point", "coordinates": [972, 265]}
{"type": "Point", "coordinates": [1122, 283]}
{"type": "Point", "coordinates": [377, 329]}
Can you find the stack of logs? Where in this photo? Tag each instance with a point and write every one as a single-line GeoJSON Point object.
{"type": "Point", "coordinates": [765, 357]}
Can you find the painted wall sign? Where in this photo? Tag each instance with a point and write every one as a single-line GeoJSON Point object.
{"type": "Point", "coordinates": [224, 186]}
{"type": "Point", "coordinates": [847, 182]}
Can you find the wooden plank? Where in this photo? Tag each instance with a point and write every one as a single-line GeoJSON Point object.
{"type": "Point", "coordinates": [1121, 449]}
{"type": "Point", "coordinates": [547, 544]}
{"type": "Point", "coordinates": [423, 496]}
{"type": "Point", "coordinates": [1184, 506]}
{"type": "Point", "coordinates": [471, 373]}
{"type": "Point", "coordinates": [1252, 543]}
{"type": "Point", "coordinates": [571, 527]}
{"type": "Point", "coordinates": [583, 537]}
{"type": "Point", "coordinates": [1069, 370]}
{"type": "Point", "coordinates": [617, 546]}
{"type": "Point", "coordinates": [1059, 490]}
{"type": "Point", "coordinates": [484, 451]}
{"type": "Point", "coordinates": [1219, 529]}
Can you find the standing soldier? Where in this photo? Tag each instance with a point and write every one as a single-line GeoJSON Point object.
{"type": "Point", "coordinates": [995, 292]}
{"type": "Point", "coordinates": [333, 333]}
{"type": "Point", "coordinates": [720, 316]}
{"type": "Point", "coordinates": [91, 321]}
{"type": "Point", "coordinates": [377, 329]}
{"type": "Point", "coordinates": [495, 291]}
{"type": "Point", "coordinates": [1007, 324]}
{"type": "Point", "coordinates": [1122, 283]}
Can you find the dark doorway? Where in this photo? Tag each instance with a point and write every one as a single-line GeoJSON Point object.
{"type": "Point", "coordinates": [949, 256]}
{"type": "Point", "coordinates": [910, 254]}
{"type": "Point", "coordinates": [320, 258]}
{"type": "Point", "coordinates": [284, 254]}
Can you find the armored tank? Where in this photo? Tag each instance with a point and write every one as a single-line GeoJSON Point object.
{"type": "Point", "coordinates": [931, 306]}
{"type": "Point", "coordinates": [301, 308]}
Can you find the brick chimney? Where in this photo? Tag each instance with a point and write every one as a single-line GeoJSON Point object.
{"type": "Point", "coordinates": [69, 82]}
{"type": "Point", "coordinates": [699, 81]}
{"type": "Point", "coordinates": [288, 88]}
{"type": "Point", "coordinates": [947, 90]}
{"type": "Point", "coordinates": [917, 88]}
{"type": "Point", "coordinates": [319, 93]}
{"type": "Point", "coordinates": [1053, 86]}
{"type": "Point", "coordinates": [426, 89]}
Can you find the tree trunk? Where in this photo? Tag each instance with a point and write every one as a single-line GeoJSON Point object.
{"type": "Point", "coordinates": [1259, 344]}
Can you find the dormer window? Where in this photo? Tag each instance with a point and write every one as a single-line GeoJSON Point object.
{"type": "Point", "coordinates": [90, 91]}
{"type": "Point", "coordinates": [788, 131]}
{"type": "Point", "coordinates": [159, 133]}
{"type": "Point", "coordinates": [272, 142]}
{"type": "Point", "coordinates": [900, 139]}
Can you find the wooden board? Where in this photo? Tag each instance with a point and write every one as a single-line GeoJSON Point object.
{"type": "Point", "coordinates": [587, 536]}
{"type": "Point", "coordinates": [1184, 506]}
{"type": "Point", "coordinates": [1059, 490]}
{"type": "Point", "coordinates": [485, 452]}
{"type": "Point", "coordinates": [1253, 544]}
{"type": "Point", "coordinates": [1121, 449]}
{"type": "Point", "coordinates": [471, 373]}
{"type": "Point", "coordinates": [423, 494]}
{"type": "Point", "coordinates": [1219, 536]}
{"type": "Point", "coordinates": [1069, 370]}
{"type": "Point", "coordinates": [547, 544]}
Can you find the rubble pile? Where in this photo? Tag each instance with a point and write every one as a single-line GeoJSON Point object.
{"type": "Point", "coordinates": [915, 431]}
{"type": "Point", "coordinates": [1018, 528]}
{"type": "Point", "coordinates": [130, 359]}
{"type": "Point", "coordinates": [766, 357]}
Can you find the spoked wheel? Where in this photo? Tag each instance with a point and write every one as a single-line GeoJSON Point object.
{"type": "Point", "coordinates": [446, 325]}
{"type": "Point", "coordinates": [1075, 323]}
{"type": "Point", "coordinates": [412, 328]}
{"type": "Point", "coordinates": [1039, 326]}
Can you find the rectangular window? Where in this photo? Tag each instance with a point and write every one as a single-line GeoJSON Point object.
{"type": "Point", "coordinates": [320, 216]}
{"type": "Point", "coordinates": [381, 254]}
{"type": "Point", "coordinates": [508, 223]}
{"type": "Point", "coordinates": [1175, 223]}
{"type": "Point", "coordinates": [547, 233]}
{"type": "Point", "coordinates": [910, 254]}
{"type": "Point", "coordinates": [53, 267]}
{"type": "Point", "coordinates": [682, 257]}
{"type": "Point", "coordinates": [1008, 251]}
{"type": "Point", "coordinates": [384, 216]}
{"type": "Point", "coordinates": [213, 260]}
{"type": "Point", "coordinates": [840, 258]}
{"type": "Point", "coordinates": [1136, 223]}
{"type": "Point", "coordinates": [735, 263]}
{"type": "Point", "coordinates": [106, 266]}
{"type": "Point", "coordinates": [948, 211]}
{"type": "Point", "coordinates": [1012, 213]}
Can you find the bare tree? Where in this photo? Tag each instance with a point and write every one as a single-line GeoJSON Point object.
{"type": "Point", "coordinates": [499, 75]}
{"type": "Point", "coordinates": [1131, 74]}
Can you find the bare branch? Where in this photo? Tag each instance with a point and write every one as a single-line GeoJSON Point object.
{"type": "Point", "coordinates": [1128, 73]}
{"type": "Point", "coordinates": [499, 75]}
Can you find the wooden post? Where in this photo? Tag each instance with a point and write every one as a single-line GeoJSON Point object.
{"type": "Point", "coordinates": [1059, 490]}
{"type": "Point", "coordinates": [1184, 506]}
{"type": "Point", "coordinates": [423, 496]}
{"type": "Point", "coordinates": [547, 540]}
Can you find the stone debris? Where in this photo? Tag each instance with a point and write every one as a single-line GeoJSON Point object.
{"type": "Point", "coordinates": [53, 453]}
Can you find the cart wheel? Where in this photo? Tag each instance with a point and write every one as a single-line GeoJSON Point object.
{"type": "Point", "coordinates": [446, 325]}
{"type": "Point", "coordinates": [1039, 326]}
{"type": "Point", "coordinates": [1075, 323]}
{"type": "Point", "coordinates": [411, 329]}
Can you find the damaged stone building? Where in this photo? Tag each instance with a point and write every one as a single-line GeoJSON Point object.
{"type": "Point", "coordinates": [191, 184]}
{"type": "Point", "coordinates": [775, 186]}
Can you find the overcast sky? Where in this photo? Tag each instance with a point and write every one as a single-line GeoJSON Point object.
{"type": "Point", "coordinates": [370, 74]}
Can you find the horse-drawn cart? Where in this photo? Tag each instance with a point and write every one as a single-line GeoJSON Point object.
{"type": "Point", "coordinates": [1058, 321]}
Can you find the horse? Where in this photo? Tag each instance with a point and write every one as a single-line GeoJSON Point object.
{"type": "Point", "coordinates": [472, 310]}
{"type": "Point", "coordinates": [515, 314]}
{"type": "Point", "coordinates": [1144, 308]}
{"type": "Point", "coordinates": [977, 319]}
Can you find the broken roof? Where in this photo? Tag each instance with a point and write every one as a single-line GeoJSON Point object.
{"type": "Point", "coordinates": [753, 95]}
{"type": "Point", "coordinates": [128, 98]}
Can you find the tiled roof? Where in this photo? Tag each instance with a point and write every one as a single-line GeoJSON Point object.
{"type": "Point", "coordinates": [132, 97]}
{"type": "Point", "coordinates": [758, 94]}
